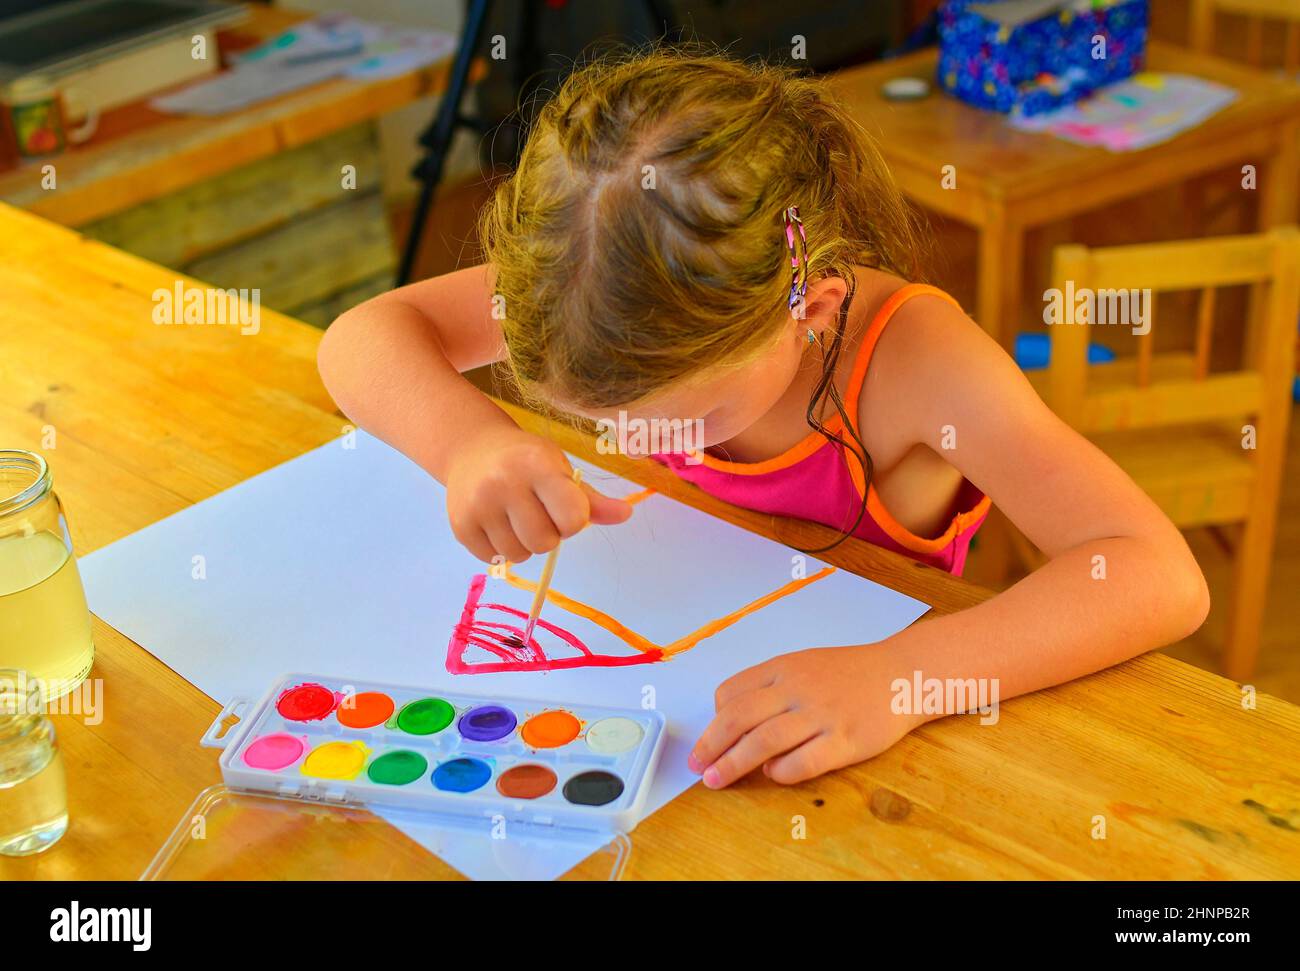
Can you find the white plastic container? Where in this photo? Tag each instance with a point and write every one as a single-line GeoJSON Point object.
{"type": "Point", "coordinates": [477, 762]}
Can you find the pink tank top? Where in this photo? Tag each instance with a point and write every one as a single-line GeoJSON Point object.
{"type": "Point", "coordinates": [815, 480]}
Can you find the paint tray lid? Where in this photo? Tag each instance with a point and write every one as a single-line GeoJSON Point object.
{"type": "Point", "coordinates": [232, 835]}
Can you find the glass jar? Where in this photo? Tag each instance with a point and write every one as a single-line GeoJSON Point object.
{"type": "Point", "coordinates": [33, 790]}
{"type": "Point", "coordinates": [44, 621]}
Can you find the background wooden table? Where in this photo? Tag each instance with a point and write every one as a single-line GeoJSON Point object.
{"type": "Point", "coordinates": [252, 199]}
{"type": "Point", "coordinates": [138, 154]}
{"type": "Point", "coordinates": [149, 419]}
{"type": "Point", "coordinates": [1009, 181]}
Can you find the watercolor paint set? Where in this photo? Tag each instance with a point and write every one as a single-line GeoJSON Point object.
{"type": "Point", "coordinates": [346, 742]}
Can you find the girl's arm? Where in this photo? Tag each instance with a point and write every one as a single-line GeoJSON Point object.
{"type": "Point", "coordinates": [393, 365]}
{"type": "Point", "coordinates": [1120, 580]}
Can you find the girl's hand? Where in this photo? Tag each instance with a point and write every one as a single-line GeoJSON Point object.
{"type": "Point", "coordinates": [512, 494]}
{"type": "Point", "coordinates": [800, 715]}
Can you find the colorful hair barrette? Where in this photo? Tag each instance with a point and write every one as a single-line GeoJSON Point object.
{"type": "Point", "coordinates": [796, 240]}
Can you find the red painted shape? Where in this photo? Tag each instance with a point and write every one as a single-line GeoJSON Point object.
{"type": "Point", "coordinates": [505, 641]}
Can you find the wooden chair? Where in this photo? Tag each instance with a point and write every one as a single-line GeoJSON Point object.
{"type": "Point", "coordinates": [1178, 429]}
{"type": "Point", "coordinates": [1258, 14]}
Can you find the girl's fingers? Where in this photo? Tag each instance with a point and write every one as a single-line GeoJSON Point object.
{"type": "Point", "coordinates": [565, 503]}
{"type": "Point", "coordinates": [733, 721]}
{"type": "Point", "coordinates": [814, 757]}
{"type": "Point", "coordinates": [750, 679]}
{"type": "Point", "coordinates": [504, 541]}
{"type": "Point", "coordinates": [532, 525]}
{"type": "Point", "coordinates": [774, 737]}
{"type": "Point", "coordinates": [571, 506]}
{"type": "Point", "coordinates": [476, 541]}
{"type": "Point", "coordinates": [606, 510]}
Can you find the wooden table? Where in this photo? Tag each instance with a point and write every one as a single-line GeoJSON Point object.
{"type": "Point", "coordinates": [138, 154]}
{"type": "Point", "coordinates": [148, 420]}
{"type": "Point", "coordinates": [1008, 181]}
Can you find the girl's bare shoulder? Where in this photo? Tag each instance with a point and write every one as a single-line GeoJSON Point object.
{"type": "Point", "coordinates": [933, 362]}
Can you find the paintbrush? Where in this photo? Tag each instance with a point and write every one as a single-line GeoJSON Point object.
{"type": "Point", "coordinates": [544, 583]}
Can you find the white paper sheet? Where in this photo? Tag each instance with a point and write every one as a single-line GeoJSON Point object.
{"type": "Point", "coordinates": [341, 562]}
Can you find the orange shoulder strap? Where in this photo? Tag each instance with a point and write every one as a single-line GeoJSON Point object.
{"type": "Point", "coordinates": [874, 330]}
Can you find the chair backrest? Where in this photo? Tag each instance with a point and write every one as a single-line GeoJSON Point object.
{"type": "Point", "coordinates": [1118, 286]}
{"type": "Point", "coordinates": [1258, 14]}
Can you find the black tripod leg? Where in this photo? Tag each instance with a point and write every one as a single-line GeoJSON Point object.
{"type": "Point", "coordinates": [437, 139]}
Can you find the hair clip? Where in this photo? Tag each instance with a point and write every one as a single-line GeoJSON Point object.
{"type": "Point", "coordinates": [798, 248]}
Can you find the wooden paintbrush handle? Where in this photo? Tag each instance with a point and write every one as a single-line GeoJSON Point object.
{"type": "Point", "coordinates": [544, 584]}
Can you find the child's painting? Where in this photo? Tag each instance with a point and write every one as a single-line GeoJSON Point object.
{"type": "Point", "coordinates": [489, 637]}
{"type": "Point", "coordinates": [654, 613]}
{"type": "Point", "coordinates": [495, 631]}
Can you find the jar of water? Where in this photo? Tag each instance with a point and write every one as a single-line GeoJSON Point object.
{"type": "Point", "coordinates": [44, 621]}
{"type": "Point", "coordinates": [33, 791]}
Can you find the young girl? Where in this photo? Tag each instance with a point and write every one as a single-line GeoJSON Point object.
{"type": "Point", "coordinates": [689, 237]}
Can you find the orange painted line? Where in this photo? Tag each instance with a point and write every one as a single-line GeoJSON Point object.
{"type": "Point", "coordinates": [639, 643]}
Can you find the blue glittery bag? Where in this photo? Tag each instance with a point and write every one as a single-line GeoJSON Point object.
{"type": "Point", "coordinates": [1031, 56]}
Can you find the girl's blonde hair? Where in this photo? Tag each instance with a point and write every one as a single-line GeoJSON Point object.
{"type": "Point", "coordinates": [640, 240]}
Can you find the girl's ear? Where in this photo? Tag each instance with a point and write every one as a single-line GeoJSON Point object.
{"type": "Point", "coordinates": [820, 305]}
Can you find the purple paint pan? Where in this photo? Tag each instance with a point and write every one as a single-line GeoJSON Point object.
{"type": "Point", "coordinates": [487, 723]}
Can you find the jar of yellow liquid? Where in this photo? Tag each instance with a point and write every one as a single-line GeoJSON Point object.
{"type": "Point", "coordinates": [44, 621]}
{"type": "Point", "coordinates": [33, 791]}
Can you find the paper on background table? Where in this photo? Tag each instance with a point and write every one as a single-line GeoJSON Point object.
{"type": "Point", "coordinates": [1144, 110]}
{"type": "Point", "coordinates": [341, 562]}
